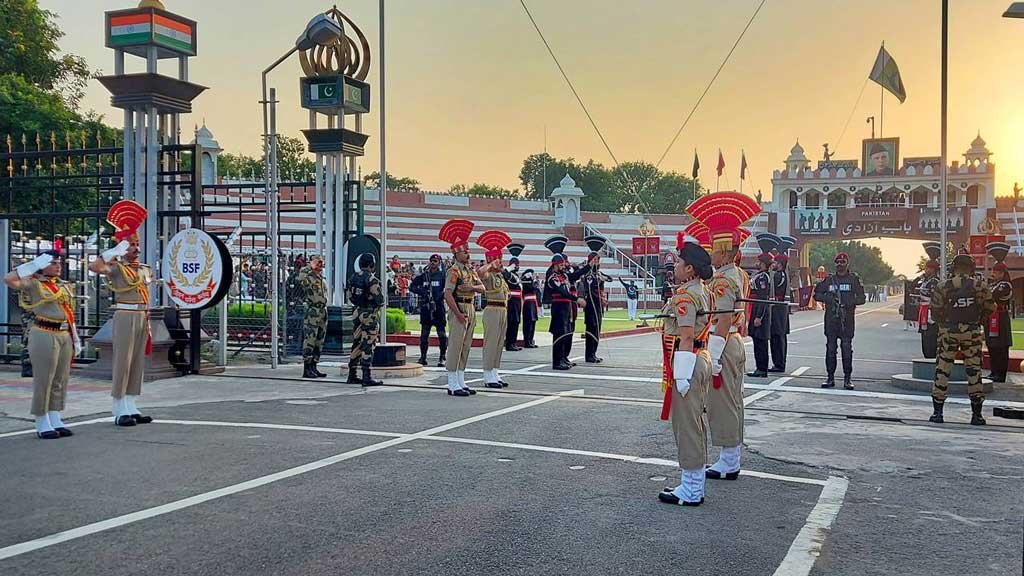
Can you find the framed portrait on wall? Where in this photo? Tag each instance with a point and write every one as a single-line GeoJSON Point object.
{"type": "Point", "coordinates": [880, 156]}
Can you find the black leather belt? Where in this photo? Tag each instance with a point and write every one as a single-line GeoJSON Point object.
{"type": "Point", "coordinates": [495, 303]}
{"type": "Point", "coordinates": [464, 300]}
{"type": "Point", "coordinates": [47, 325]}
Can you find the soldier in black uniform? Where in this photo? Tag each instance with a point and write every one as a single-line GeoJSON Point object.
{"type": "Point", "coordinates": [531, 308]}
{"type": "Point", "coordinates": [560, 291]}
{"type": "Point", "coordinates": [927, 284]}
{"type": "Point", "coordinates": [780, 313]}
{"type": "Point", "coordinates": [759, 325]}
{"type": "Point", "coordinates": [591, 289]}
{"type": "Point", "coordinates": [998, 336]}
{"type": "Point", "coordinates": [514, 309]}
{"type": "Point", "coordinates": [429, 287]}
{"type": "Point", "coordinates": [841, 293]}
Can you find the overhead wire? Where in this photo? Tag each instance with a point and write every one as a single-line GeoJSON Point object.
{"type": "Point", "coordinates": [710, 84]}
{"type": "Point", "coordinates": [850, 117]}
{"type": "Point", "coordinates": [582, 105]}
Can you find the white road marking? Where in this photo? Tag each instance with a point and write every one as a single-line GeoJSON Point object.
{"type": "Point", "coordinates": [104, 525]}
{"type": "Point", "coordinates": [882, 395]}
{"type": "Point", "coordinates": [873, 310]}
{"type": "Point", "coordinates": [773, 386]}
{"type": "Point", "coordinates": [884, 325]}
{"type": "Point", "coordinates": [68, 424]}
{"type": "Point", "coordinates": [806, 547]}
{"type": "Point", "coordinates": [519, 371]}
{"type": "Point", "coordinates": [858, 359]}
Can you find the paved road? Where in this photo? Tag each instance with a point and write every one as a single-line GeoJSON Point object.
{"type": "Point", "coordinates": [262, 473]}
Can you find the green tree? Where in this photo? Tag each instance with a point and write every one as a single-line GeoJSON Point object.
{"type": "Point", "coordinates": [293, 162]}
{"type": "Point", "coordinates": [865, 260]}
{"type": "Point", "coordinates": [399, 183]}
{"type": "Point", "coordinates": [239, 166]}
{"type": "Point", "coordinates": [484, 191]}
{"type": "Point", "coordinates": [29, 48]}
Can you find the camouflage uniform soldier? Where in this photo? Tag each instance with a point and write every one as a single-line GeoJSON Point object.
{"type": "Point", "coordinates": [365, 294]}
{"type": "Point", "coordinates": [312, 292]}
{"type": "Point", "coordinates": [960, 307]}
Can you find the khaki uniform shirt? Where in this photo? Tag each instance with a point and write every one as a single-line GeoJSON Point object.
{"type": "Point", "coordinates": [36, 296]}
{"type": "Point", "coordinates": [726, 288]}
{"type": "Point", "coordinates": [461, 280]}
{"type": "Point", "coordinates": [130, 282]}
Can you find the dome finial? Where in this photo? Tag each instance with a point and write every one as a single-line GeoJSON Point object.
{"type": "Point", "coordinates": [152, 4]}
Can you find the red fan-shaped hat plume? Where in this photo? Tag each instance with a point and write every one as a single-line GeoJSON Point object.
{"type": "Point", "coordinates": [493, 241]}
{"type": "Point", "coordinates": [697, 230]}
{"type": "Point", "coordinates": [126, 216]}
{"type": "Point", "coordinates": [723, 213]}
{"type": "Point", "coordinates": [456, 232]}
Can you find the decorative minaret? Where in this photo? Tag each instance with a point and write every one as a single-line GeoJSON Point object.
{"type": "Point", "coordinates": [152, 102]}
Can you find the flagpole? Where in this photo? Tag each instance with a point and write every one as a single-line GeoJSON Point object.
{"type": "Point", "coordinates": [881, 115]}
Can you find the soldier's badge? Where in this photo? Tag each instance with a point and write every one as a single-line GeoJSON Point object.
{"type": "Point", "coordinates": [682, 309]}
{"type": "Point", "coordinates": [720, 290]}
{"type": "Point", "coordinates": [454, 278]}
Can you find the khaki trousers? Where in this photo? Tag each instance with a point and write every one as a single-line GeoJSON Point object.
{"type": "Point", "coordinates": [51, 354]}
{"type": "Point", "coordinates": [687, 416]}
{"type": "Point", "coordinates": [460, 342]}
{"type": "Point", "coordinates": [495, 326]}
{"type": "Point", "coordinates": [129, 350]}
{"type": "Point", "coordinates": [725, 404]}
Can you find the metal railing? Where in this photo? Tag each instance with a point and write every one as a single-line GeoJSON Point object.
{"type": "Point", "coordinates": [634, 268]}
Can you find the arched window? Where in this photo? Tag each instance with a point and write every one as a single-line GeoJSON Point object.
{"type": "Point", "coordinates": [793, 200]}
{"type": "Point", "coordinates": [837, 200]}
{"type": "Point", "coordinates": [812, 200]}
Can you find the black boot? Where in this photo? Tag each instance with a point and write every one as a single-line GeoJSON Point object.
{"type": "Point", "coordinates": [976, 418]}
{"type": "Point", "coordinates": [308, 371]}
{"type": "Point", "coordinates": [847, 383]}
{"type": "Point", "coordinates": [26, 370]}
{"type": "Point", "coordinates": [316, 371]}
{"type": "Point", "coordinates": [830, 382]}
{"type": "Point", "coordinates": [367, 379]}
{"type": "Point", "coordinates": [353, 378]}
{"type": "Point", "coordinates": [936, 412]}
{"type": "Point", "coordinates": [423, 355]}
{"type": "Point", "coordinates": [441, 361]}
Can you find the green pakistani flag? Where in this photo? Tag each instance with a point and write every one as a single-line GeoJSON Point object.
{"type": "Point", "coordinates": [887, 74]}
{"type": "Point", "coordinates": [322, 91]}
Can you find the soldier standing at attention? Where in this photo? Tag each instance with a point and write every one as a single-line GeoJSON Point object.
{"type": "Point", "coordinates": [429, 287]}
{"type": "Point", "coordinates": [592, 291]}
{"type": "Point", "coordinates": [495, 302]}
{"type": "Point", "coordinates": [460, 287]}
{"type": "Point", "coordinates": [999, 337]}
{"type": "Point", "coordinates": [686, 367]}
{"type": "Point", "coordinates": [925, 323]}
{"type": "Point", "coordinates": [531, 308]}
{"type": "Point", "coordinates": [780, 312]}
{"type": "Point", "coordinates": [841, 293]}
{"type": "Point", "coordinates": [130, 282]}
{"type": "Point", "coordinates": [515, 298]}
{"type": "Point", "coordinates": [364, 291]}
{"type": "Point", "coordinates": [560, 291]}
{"type": "Point", "coordinates": [723, 213]}
{"type": "Point", "coordinates": [961, 307]}
{"type": "Point", "coordinates": [759, 326]}
{"type": "Point", "coordinates": [53, 340]}
{"type": "Point", "coordinates": [313, 294]}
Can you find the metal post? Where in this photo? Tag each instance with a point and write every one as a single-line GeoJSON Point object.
{"type": "Point", "coordinates": [319, 204]}
{"type": "Point", "coordinates": [222, 329]}
{"type": "Point", "coordinates": [152, 149]}
{"type": "Point", "coordinates": [330, 244]}
{"type": "Point", "coordinates": [339, 219]}
{"type": "Point", "coordinates": [127, 159]}
{"type": "Point", "coordinates": [139, 141]}
{"type": "Point", "coordinates": [383, 187]}
{"type": "Point", "coordinates": [275, 272]}
{"type": "Point", "coordinates": [5, 261]}
{"type": "Point", "coordinates": [942, 173]}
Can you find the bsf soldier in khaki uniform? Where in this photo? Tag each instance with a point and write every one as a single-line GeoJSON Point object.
{"type": "Point", "coordinates": [723, 213]}
{"type": "Point", "coordinates": [496, 292]}
{"type": "Point", "coordinates": [460, 287]}
{"type": "Point", "coordinates": [313, 294]}
{"type": "Point", "coordinates": [52, 341]}
{"type": "Point", "coordinates": [961, 307]}
{"type": "Point", "coordinates": [129, 281]}
{"type": "Point", "coordinates": [366, 295]}
{"type": "Point", "coordinates": [687, 370]}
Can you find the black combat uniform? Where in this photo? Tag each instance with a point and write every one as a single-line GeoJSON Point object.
{"type": "Point", "coordinates": [591, 288]}
{"type": "Point", "coordinates": [429, 287]}
{"type": "Point", "coordinates": [514, 309]}
{"type": "Point", "coordinates": [556, 291]}
{"type": "Point", "coordinates": [841, 295]}
{"type": "Point", "coordinates": [780, 321]}
{"type": "Point", "coordinates": [998, 335]}
{"type": "Point", "coordinates": [531, 309]}
{"type": "Point", "coordinates": [760, 289]}
{"type": "Point", "coordinates": [928, 329]}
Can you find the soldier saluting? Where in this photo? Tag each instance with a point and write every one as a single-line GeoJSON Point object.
{"type": "Point", "coordinates": [313, 292]}
{"type": "Point", "coordinates": [53, 340]}
{"type": "Point", "coordinates": [365, 293]}
{"type": "Point", "coordinates": [961, 307]}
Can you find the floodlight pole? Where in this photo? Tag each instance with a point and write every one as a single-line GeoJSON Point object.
{"type": "Point", "coordinates": [383, 185]}
{"type": "Point", "coordinates": [943, 193]}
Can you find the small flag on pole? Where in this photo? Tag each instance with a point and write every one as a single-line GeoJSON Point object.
{"type": "Point", "coordinates": [721, 162]}
{"type": "Point", "coordinates": [887, 74]}
{"type": "Point", "coordinates": [743, 165]}
{"type": "Point", "coordinates": [696, 164]}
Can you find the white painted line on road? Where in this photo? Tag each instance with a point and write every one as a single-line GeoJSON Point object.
{"type": "Point", "coordinates": [104, 525]}
{"type": "Point", "coordinates": [68, 424]}
{"type": "Point", "coordinates": [873, 310]}
{"type": "Point", "coordinates": [806, 548]}
{"type": "Point", "coordinates": [884, 325]}
{"type": "Point", "coordinates": [882, 395]}
{"type": "Point", "coordinates": [773, 386]}
{"type": "Point", "coordinates": [858, 359]}
{"type": "Point", "coordinates": [222, 424]}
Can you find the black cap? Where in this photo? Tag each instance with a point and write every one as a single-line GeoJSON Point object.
{"type": "Point", "coordinates": [367, 260]}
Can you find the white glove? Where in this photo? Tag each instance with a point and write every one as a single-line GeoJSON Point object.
{"type": "Point", "coordinates": [29, 268]}
{"type": "Point", "coordinates": [120, 250]}
{"type": "Point", "coordinates": [716, 345]}
{"type": "Point", "coordinates": [683, 363]}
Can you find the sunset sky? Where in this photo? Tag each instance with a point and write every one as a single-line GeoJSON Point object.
{"type": "Point", "coordinates": [470, 87]}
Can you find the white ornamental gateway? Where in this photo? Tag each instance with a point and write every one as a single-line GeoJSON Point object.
{"type": "Point", "coordinates": [197, 269]}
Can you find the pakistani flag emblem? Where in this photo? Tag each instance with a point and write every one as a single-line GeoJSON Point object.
{"type": "Point", "coordinates": [323, 91]}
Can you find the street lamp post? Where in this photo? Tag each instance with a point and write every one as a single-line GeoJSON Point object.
{"type": "Point", "coordinates": [321, 30]}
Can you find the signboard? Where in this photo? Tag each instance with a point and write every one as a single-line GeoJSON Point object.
{"type": "Point", "coordinates": [815, 221]}
{"type": "Point", "coordinates": [875, 214]}
{"type": "Point", "coordinates": [979, 242]}
{"type": "Point", "coordinates": [849, 165]}
{"type": "Point", "coordinates": [335, 92]}
{"type": "Point", "coordinates": [197, 268]}
{"type": "Point", "coordinates": [921, 162]}
{"type": "Point", "coordinates": [646, 245]}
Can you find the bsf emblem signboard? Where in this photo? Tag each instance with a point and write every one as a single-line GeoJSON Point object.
{"type": "Point", "coordinates": [196, 269]}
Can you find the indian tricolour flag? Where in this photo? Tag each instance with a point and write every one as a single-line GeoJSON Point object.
{"type": "Point", "coordinates": [131, 29]}
{"type": "Point", "coordinates": [172, 33]}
